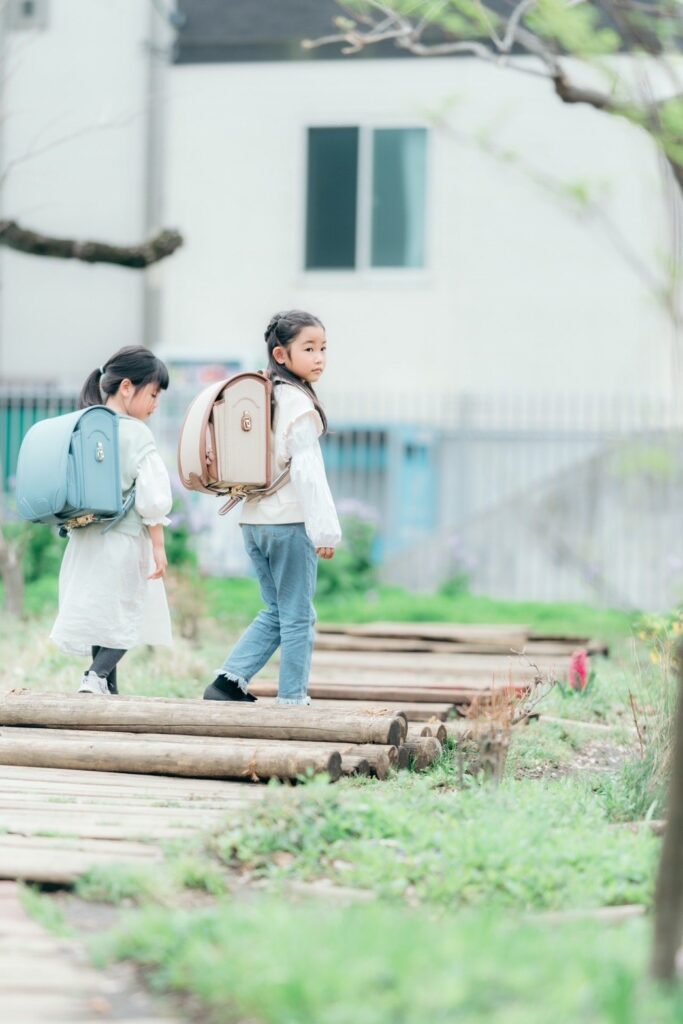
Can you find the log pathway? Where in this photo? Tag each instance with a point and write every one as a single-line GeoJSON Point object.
{"type": "Point", "coordinates": [46, 978]}
{"type": "Point", "coordinates": [84, 782]}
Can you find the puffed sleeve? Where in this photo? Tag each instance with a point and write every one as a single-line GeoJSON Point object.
{"type": "Point", "coordinates": [153, 498]}
{"type": "Point", "coordinates": [307, 473]}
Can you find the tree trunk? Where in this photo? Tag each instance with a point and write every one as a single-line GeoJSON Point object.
{"type": "Point", "coordinates": [668, 930]}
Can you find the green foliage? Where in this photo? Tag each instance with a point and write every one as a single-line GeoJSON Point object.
{"type": "Point", "coordinates": [374, 964]}
{"type": "Point", "coordinates": [195, 871]}
{"type": "Point", "coordinates": [352, 570]}
{"type": "Point", "coordinates": [527, 845]}
{"type": "Point", "coordinates": [178, 537]}
{"type": "Point", "coordinates": [45, 911]}
{"type": "Point", "coordinates": [578, 29]}
{"type": "Point", "coordinates": [118, 883]}
{"type": "Point", "coordinates": [671, 128]}
{"type": "Point", "coordinates": [41, 549]}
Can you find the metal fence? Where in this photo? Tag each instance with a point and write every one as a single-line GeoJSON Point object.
{"type": "Point", "coordinates": [539, 497]}
{"type": "Point", "coordinates": [20, 408]}
{"type": "Point", "coordinates": [528, 498]}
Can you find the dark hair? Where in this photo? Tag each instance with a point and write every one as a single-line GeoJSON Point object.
{"type": "Point", "coordinates": [134, 363]}
{"type": "Point", "coordinates": [281, 331]}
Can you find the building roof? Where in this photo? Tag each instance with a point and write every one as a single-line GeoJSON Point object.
{"type": "Point", "coordinates": [256, 30]}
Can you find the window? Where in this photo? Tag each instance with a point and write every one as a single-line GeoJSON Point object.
{"type": "Point", "coordinates": [26, 14]}
{"type": "Point", "coordinates": [365, 201]}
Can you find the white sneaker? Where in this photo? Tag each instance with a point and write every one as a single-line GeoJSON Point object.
{"type": "Point", "coordinates": [92, 683]}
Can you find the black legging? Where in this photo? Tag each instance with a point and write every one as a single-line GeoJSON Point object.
{"type": "Point", "coordinates": [104, 662]}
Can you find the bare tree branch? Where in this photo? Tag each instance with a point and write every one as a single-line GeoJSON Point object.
{"type": "Point", "coordinates": [134, 257]}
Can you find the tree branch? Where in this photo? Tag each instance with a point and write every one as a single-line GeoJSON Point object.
{"type": "Point", "coordinates": [135, 257]}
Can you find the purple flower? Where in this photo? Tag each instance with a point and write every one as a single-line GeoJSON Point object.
{"type": "Point", "coordinates": [357, 509]}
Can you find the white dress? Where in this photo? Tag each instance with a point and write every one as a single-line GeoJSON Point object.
{"type": "Point", "coordinates": [105, 597]}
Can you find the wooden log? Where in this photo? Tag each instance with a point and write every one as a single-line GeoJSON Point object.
{"type": "Point", "coordinates": [105, 847]}
{"type": "Point", "coordinates": [511, 635]}
{"type": "Point", "coordinates": [352, 765]}
{"type": "Point", "coordinates": [449, 665]}
{"type": "Point", "coordinates": [412, 711]}
{"type": "Point", "coordinates": [458, 728]}
{"type": "Point", "coordinates": [420, 753]}
{"type": "Point", "coordinates": [159, 785]}
{"type": "Point", "coordinates": [343, 642]}
{"type": "Point", "coordinates": [386, 691]}
{"type": "Point", "coordinates": [380, 765]}
{"type": "Point", "coordinates": [152, 740]}
{"type": "Point", "coordinates": [50, 868]}
{"type": "Point", "coordinates": [407, 681]}
{"type": "Point", "coordinates": [207, 760]}
{"type": "Point", "coordinates": [417, 729]}
{"type": "Point", "coordinates": [88, 827]}
{"type": "Point", "coordinates": [206, 718]}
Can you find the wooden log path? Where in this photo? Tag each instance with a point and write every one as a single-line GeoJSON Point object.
{"type": "Point", "coordinates": [47, 978]}
{"type": "Point", "coordinates": [84, 781]}
{"type": "Point", "coordinates": [431, 670]}
{"type": "Point", "coordinates": [87, 781]}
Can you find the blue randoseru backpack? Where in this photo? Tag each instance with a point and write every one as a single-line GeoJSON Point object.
{"type": "Point", "coordinates": [68, 470]}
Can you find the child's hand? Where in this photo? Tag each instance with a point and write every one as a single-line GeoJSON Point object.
{"type": "Point", "coordinates": [160, 561]}
{"type": "Point", "coordinates": [325, 552]}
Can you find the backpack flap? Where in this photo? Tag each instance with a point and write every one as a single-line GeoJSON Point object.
{"type": "Point", "coordinates": [241, 424]}
{"type": "Point", "coordinates": [95, 457]}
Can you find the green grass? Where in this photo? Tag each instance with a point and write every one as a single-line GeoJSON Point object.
{"type": "Point", "coordinates": [529, 845]}
{"type": "Point", "coordinates": [45, 911]}
{"type": "Point", "coordinates": [119, 883]}
{"type": "Point", "coordinates": [454, 872]}
{"type": "Point", "coordinates": [279, 962]}
{"type": "Point", "coordinates": [231, 597]}
{"type": "Point", "coordinates": [236, 601]}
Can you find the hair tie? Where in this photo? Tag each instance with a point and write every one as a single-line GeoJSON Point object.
{"type": "Point", "coordinates": [102, 371]}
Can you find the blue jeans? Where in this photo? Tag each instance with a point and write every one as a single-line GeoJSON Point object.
{"type": "Point", "coordinates": [286, 566]}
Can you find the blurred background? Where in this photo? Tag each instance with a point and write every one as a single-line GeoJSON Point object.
{"type": "Point", "coordinates": [498, 273]}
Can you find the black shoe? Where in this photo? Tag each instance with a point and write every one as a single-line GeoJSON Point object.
{"type": "Point", "coordinates": [223, 688]}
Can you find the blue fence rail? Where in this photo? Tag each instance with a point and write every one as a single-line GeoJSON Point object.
{"type": "Point", "coordinates": [19, 409]}
{"type": "Point", "coordinates": [538, 498]}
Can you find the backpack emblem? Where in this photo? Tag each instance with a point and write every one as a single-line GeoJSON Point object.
{"type": "Point", "coordinates": [246, 421]}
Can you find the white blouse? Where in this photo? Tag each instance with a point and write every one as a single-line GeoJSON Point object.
{"type": "Point", "coordinates": [153, 498]}
{"type": "Point", "coordinates": [305, 497]}
{"type": "Point", "coordinates": [307, 473]}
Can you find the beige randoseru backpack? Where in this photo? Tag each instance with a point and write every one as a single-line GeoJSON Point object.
{"type": "Point", "coordinates": [225, 442]}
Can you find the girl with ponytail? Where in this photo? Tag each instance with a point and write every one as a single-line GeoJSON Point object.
{"type": "Point", "coordinates": [285, 532]}
{"type": "Point", "coordinates": [111, 593]}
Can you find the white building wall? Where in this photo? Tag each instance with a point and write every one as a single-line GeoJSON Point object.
{"type": "Point", "coordinates": [519, 295]}
{"type": "Point", "coordinates": [73, 144]}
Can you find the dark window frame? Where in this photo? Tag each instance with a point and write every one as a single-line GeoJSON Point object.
{"type": "Point", "coordinates": [364, 191]}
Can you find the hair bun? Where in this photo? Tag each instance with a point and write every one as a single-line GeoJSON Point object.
{"type": "Point", "coordinates": [273, 325]}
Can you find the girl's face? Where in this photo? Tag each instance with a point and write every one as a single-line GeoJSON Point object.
{"type": "Point", "coordinates": [139, 404]}
{"type": "Point", "coordinates": [306, 355]}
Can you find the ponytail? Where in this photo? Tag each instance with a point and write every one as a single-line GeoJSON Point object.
{"type": "Point", "coordinates": [134, 363]}
{"type": "Point", "coordinates": [90, 392]}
